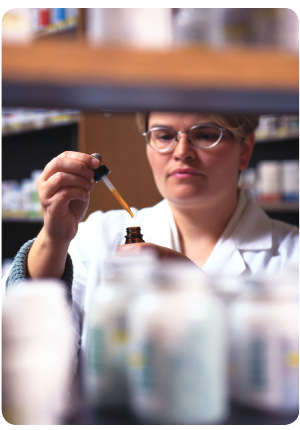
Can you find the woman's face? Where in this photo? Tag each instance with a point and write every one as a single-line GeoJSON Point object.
{"type": "Point", "coordinates": [192, 177]}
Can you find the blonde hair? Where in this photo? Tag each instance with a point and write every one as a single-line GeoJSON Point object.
{"type": "Point", "coordinates": [239, 125]}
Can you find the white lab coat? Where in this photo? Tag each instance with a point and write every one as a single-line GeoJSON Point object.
{"type": "Point", "coordinates": [252, 244]}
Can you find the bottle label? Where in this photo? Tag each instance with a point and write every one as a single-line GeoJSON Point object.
{"type": "Point", "coordinates": [267, 371]}
{"type": "Point", "coordinates": [95, 357]}
{"type": "Point", "coordinates": [106, 364]}
{"type": "Point", "coordinates": [185, 382]}
{"type": "Point", "coordinates": [141, 371]}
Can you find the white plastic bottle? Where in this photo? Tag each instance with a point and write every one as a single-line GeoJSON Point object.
{"type": "Point", "coordinates": [269, 180]}
{"type": "Point", "coordinates": [104, 358]}
{"type": "Point", "coordinates": [177, 352]}
{"type": "Point", "coordinates": [191, 26]}
{"type": "Point", "coordinates": [38, 353]}
{"type": "Point", "coordinates": [264, 330]}
{"type": "Point", "coordinates": [290, 179]}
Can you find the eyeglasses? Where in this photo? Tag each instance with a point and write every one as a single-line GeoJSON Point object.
{"type": "Point", "coordinates": [164, 139]}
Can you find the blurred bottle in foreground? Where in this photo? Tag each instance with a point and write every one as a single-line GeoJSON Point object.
{"type": "Point", "coordinates": [105, 354]}
{"type": "Point", "coordinates": [177, 351]}
{"type": "Point", "coordinates": [37, 353]}
{"type": "Point", "coordinates": [264, 333]}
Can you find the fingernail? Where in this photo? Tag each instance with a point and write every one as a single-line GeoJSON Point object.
{"type": "Point", "coordinates": [95, 163]}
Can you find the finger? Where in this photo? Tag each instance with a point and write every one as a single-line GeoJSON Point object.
{"type": "Point", "coordinates": [91, 161]}
{"type": "Point", "coordinates": [71, 165]}
{"type": "Point", "coordinates": [58, 204]}
{"type": "Point", "coordinates": [63, 180]}
{"type": "Point", "coordinates": [98, 156]}
{"type": "Point", "coordinates": [71, 193]}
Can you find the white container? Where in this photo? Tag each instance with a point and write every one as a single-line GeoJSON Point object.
{"type": "Point", "coordinates": [290, 179]}
{"type": "Point", "coordinates": [191, 26]}
{"type": "Point", "coordinates": [38, 352]}
{"type": "Point", "coordinates": [11, 198]}
{"type": "Point", "coordinates": [177, 352]}
{"type": "Point", "coordinates": [105, 354]}
{"type": "Point", "coordinates": [264, 331]}
{"type": "Point", "coordinates": [230, 26]}
{"type": "Point", "coordinates": [287, 30]}
{"type": "Point", "coordinates": [248, 181]}
{"type": "Point", "coordinates": [270, 180]}
{"type": "Point", "coordinates": [137, 27]}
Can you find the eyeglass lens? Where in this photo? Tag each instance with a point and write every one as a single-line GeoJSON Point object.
{"type": "Point", "coordinates": [202, 136]}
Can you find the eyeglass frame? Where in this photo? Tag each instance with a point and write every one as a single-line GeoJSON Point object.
{"type": "Point", "coordinates": [164, 151]}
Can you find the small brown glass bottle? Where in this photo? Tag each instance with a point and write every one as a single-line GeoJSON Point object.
{"type": "Point", "coordinates": [133, 235]}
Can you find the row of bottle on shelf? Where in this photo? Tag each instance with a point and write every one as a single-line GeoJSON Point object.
{"type": "Point", "coordinates": [52, 19]}
{"type": "Point", "coordinates": [22, 24]}
{"type": "Point", "coordinates": [223, 26]}
{"type": "Point", "coordinates": [214, 27]}
{"type": "Point", "coordinates": [20, 200]}
{"type": "Point", "coordinates": [19, 119]}
{"type": "Point", "coordinates": [16, 120]}
{"type": "Point", "coordinates": [270, 181]}
{"type": "Point", "coordinates": [173, 26]}
{"type": "Point", "coordinates": [273, 181]}
{"type": "Point", "coordinates": [277, 127]}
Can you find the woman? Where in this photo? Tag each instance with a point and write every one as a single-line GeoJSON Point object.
{"type": "Point", "coordinates": [203, 218]}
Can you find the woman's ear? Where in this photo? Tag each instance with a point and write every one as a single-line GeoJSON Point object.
{"type": "Point", "coordinates": [247, 147]}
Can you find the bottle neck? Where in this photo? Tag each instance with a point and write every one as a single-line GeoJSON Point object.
{"type": "Point", "coordinates": [133, 235]}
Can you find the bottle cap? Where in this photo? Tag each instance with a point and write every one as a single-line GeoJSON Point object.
{"type": "Point", "coordinates": [100, 172]}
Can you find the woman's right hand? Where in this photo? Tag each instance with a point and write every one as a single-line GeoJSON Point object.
{"type": "Point", "coordinates": [64, 189]}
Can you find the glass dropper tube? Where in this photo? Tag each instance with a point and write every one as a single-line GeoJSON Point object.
{"type": "Point", "coordinates": [117, 195]}
{"type": "Point", "coordinates": [101, 174]}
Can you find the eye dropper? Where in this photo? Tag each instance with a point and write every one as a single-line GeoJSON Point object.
{"type": "Point", "coordinates": [101, 174]}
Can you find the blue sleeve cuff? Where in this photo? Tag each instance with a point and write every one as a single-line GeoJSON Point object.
{"type": "Point", "coordinates": [18, 272]}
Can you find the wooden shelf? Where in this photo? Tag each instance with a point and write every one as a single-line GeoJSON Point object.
{"type": "Point", "coordinates": [77, 75]}
{"type": "Point", "coordinates": [77, 62]}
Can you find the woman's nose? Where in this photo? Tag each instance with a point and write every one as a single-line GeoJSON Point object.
{"type": "Point", "coordinates": [183, 148]}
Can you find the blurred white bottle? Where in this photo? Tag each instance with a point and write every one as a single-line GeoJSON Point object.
{"type": "Point", "coordinates": [137, 27]}
{"type": "Point", "coordinates": [38, 352]}
{"type": "Point", "coordinates": [105, 353]}
{"type": "Point", "coordinates": [269, 180]}
{"type": "Point", "coordinates": [177, 365]}
{"type": "Point", "coordinates": [290, 179]}
{"type": "Point", "coordinates": [191, 26]}
{"type": "Point", "coordinates": [264, 331]}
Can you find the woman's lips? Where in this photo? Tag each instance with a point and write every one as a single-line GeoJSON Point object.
{"type": "Point", "coordinates": [185, 173]}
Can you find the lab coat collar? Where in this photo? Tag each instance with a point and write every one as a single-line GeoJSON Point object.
{"type": "Point", "coordinates": [249, 229]}
{"type": "Point", "coordinates": [254, 229]}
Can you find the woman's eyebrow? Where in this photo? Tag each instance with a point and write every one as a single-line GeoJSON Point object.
{"type": "Point", "coordinates": [170, 126]}
{"type": "Point", "coordinates": [161, 125]}
{"type": "Point", "coordinates": [207, 124]}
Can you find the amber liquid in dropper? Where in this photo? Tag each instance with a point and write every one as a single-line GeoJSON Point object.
{"type": "Point", "coordinates": [122, 202]}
